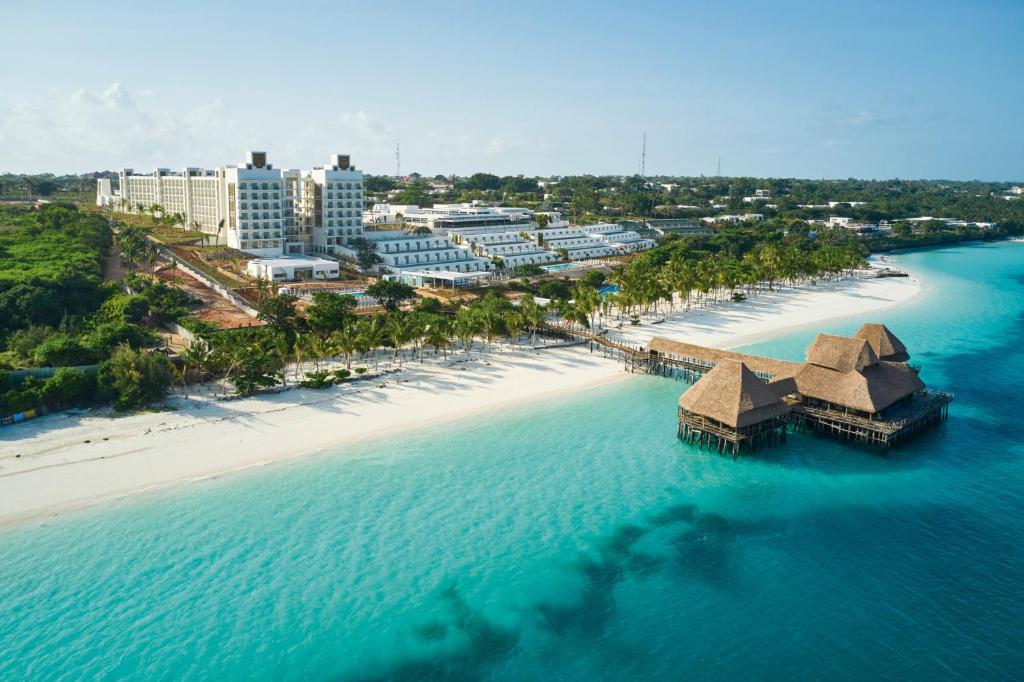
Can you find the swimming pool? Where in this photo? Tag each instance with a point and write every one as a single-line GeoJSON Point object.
{"type": "Point", "coordinates": [560, 266]}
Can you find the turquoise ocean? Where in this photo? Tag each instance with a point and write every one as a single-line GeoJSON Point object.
{"type": "Point", "coordinates": [575, 538]}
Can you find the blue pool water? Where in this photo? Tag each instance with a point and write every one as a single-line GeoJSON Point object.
{"type": "Point", "coordinates": [559, 266]}
{"type": "Point", "coordinates": [575, 538]}
{"type": "Point", "coordinates": [608, 289]}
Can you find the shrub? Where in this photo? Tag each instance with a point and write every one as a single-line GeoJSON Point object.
{"type": "Point", "coordinates": [341, 374]}
{"type": "Point", "coordinates": [124, 308]}
{"type": "Point", "coordinates": [317, 380]}
{"type": "Point", "coordinates": [133, 378]}
{"type": "Point", "coordinates": [69, 386]}
{"type": "Point", "coordinates": [108, 335]}
{"type": "Point", "coordinates": [61, 350]}
{"type": "Point", "coordinates": [24, 341]}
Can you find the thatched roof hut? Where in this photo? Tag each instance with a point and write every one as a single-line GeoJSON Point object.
{"type": "Point", "coordinates": [847, 372]}
{"type": "Point", "coordinates": [732, 395]}
{"type": "Point", "coordinates": [840, 353]}
{"type": "Point", "coordinates": [885, 344]}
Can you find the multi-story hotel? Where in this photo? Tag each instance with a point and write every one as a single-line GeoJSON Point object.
{"type": "Point", "coordinates": [253, 207]}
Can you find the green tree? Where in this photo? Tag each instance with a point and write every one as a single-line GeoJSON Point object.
{"type": "Point", "coordinates": [390, 293]}
{"type": "Point", "coordinates": [279, 313]}
{"type": "Point", "coordinates": [330, 311]}
{"type": "Point", "coordinates": [134, 378]}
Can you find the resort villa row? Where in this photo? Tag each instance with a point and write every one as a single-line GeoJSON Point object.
{"type": "Point", "coordinates": [253, 207]}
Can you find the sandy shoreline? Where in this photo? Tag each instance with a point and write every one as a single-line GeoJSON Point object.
{"type": "Point", "coordinates": [47, 467]}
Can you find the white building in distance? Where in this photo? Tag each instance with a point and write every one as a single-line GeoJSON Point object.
{"type": "Point", "coordinates": [253, 207]}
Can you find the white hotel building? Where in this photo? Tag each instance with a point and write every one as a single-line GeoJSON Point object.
{"type": "Point", "coordinates": [253, 207]}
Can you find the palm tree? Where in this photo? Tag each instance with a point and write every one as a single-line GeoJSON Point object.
{"type": "Point", "coordinates": [346, 340]}
{"type": "Point", "coordinates": [514, 323]}
{"type": "Point", "coordinates": [196, 357]}
{"type": "Point", "coordinates": [437, 333]}
{"type": "Point", "coordinates": [371, 335]}
{"type": "Point", "coordinates": [533, 314]}
{"type": "Point", "coordinates": [465, 327]}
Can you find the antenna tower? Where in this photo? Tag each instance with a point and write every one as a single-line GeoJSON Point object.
{"type": "Point", "coordinates": [643, 157]}
{"type": "Point", "coordinates": [398, 160]}
{"type": "Point", "coordinates": [719, 173]}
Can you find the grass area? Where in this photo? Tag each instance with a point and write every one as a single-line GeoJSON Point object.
{"type": "Point", "coordinates": [174, 235]}
{"type": "Point", "coordinates": [202, 266]}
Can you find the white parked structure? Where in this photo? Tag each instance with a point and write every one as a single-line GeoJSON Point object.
{"type": "Point", "coordinates": [253, 207]}
{"type": "Point", "coordinates": [288, 268]}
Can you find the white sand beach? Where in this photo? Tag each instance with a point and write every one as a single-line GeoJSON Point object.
{"type": "Point", "coordinates": [69, 460]}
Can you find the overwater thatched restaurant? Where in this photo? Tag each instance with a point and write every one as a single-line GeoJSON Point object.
{"type": "Point", "coordinates": [857, 388]}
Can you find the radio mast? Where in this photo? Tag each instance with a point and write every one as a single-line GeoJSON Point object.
{"type": "Point", "coordinates": [643, 157]}
{"type": "Point", "coordinates": [398, 161]}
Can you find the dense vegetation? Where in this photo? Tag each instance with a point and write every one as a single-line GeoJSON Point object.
{"type": "Point", "coordinates": [47, 186]}
{"type": "Point", "coordinates": [57, 311]}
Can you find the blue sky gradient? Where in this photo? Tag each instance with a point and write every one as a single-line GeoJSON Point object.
{"type": "Point", "coordinates": [805, 89]}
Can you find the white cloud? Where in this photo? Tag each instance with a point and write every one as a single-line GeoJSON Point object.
{"type": "Point", "coordinates": [87, 130]}
{"type": "Point", "coordinates": [857, 120]}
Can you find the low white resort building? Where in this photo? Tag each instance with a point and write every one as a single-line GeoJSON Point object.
{"type": "Point", "coordinates": [513, 248]}
{"type": "Point", "coordinates": [471, 237]}
{"type": "Point", "coordinates": [288, 268]}
{"type": "Point", "coordinates": [400, 251]}
{"type": "Point", "coordinates": [253, 207]}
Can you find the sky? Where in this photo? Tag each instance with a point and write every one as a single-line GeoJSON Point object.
{"type": "Point", "coordinates": [813, 89]}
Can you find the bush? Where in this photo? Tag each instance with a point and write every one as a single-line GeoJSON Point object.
{"type": "Point", "coordinates": [527, 270]}
{"type": "Point", "coordinates": [593, 278]}
{"type": "Point", "coordinates": [108, 335]}
{"type": "Point", "coordinates": [68, 387]}
{"type": "Point", "coordinates": [124, 308]}
{"type": "Point", "coordinates": [317, 380]}
{"type": "Point", "coordinates": [61, 350]}
{"type": "Point", "coordinates": [24, 397]}
{"type": "Point", "coordinates": [341, 374]}
{"type": "Point", "coordinates": [360, 371]}
{"type": "Point", "coordinates": [133, 378]}
{"type": "Point", "coordinates": [197, 326]}
{"type": "Point", "coordinates": [554, 289]}
{"type": "Point", "coordinates": [24, 341]}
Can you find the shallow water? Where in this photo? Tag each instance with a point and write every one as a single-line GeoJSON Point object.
{"type": "Point", "coordinates": [575, 538]}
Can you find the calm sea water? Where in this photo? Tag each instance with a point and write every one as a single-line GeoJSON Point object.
{"type": "Point", "coordinates": [575, 538]}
